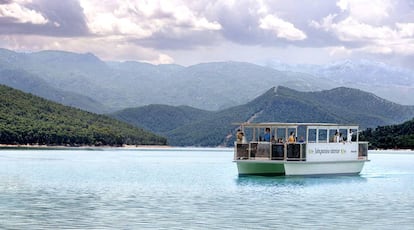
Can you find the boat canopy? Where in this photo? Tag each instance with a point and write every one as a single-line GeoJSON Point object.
{"type": "Point", "coordinates": [295, 125]}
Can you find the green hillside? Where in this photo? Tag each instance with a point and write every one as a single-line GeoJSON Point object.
{"type": "Point", "coordinates": [340, 105]}
{"type": "Point", "coordinates": [161, 118]}
{"type": "Point", "coordinates": [399, 136]}
{"type": "Point", "coordinates": [30, 83]}
{"type": "Point", "coordinates": [27, 119]}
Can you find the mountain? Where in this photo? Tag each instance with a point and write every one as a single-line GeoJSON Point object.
{"type": "Point", "coordinates": [28, 119]}
{"type": "Point", "coordinates": [390, 82]}
{"type": "Point", "coordinates": [281, 104]}
{"type": "Point", "coordinates": [30, 83]}
{"type": "Point", "coordinates": [118, 85]}
{"type": "Point", "coordinates": [209, 86]}
{"type": "Point", "coordinates": [161, 118]}
{"type": "Point", "coordinates": [399, 136]}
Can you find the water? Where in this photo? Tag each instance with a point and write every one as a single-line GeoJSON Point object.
{"type": "Point", "coordinates": [194, 189]}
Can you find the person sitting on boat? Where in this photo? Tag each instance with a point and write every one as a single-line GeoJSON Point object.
{"type": "Point", "coordinates": [292, 138]}
{"type": "Point", "coordinates": [267, 135]}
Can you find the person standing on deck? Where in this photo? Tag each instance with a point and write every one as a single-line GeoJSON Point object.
{"type": "Point", "coordinates": [267, 135]}
{"type": "Point", "coordinates": [239, 136]}
{"type": "Point", "coordinates": [349, 137]}
{"type": "Point", "coordinates": [292, 138]}
{"type": "Point", "coordinates": [336, 137]}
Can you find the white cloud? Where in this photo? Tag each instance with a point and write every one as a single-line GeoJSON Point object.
{"type": "Point", "coordinates": [352, 30]}
{"type": "Point", "coordinates": [142, 19]}
{"type": "Point", "coordinates": [163, 59]}
{"type": "Point", "coordinates": [368, 11]}
{"type": "Point", "coordinates": [397, 38]}
{"type": "Point", "coordinates": [22, 14]}
{"type": "Point", "coordinates": [281, 28]}
{"type": "Point", "coordinates": [339, 51]}
{"type": "Point", "coordinates": [405, 30]}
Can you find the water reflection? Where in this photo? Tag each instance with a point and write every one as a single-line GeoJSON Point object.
{"type": "Point", "coordinates": [297, 180]}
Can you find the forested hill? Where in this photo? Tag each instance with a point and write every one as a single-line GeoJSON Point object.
{"type": "Point", "coordinates": [28, 119]}
{"type": "Point", "coordinates": [392, 136]}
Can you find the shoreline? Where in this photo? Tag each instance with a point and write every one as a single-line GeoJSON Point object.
{"type": "Point", "coordinates": [86, 147]}
{"type": "Point", "coordinates": [63, 147]}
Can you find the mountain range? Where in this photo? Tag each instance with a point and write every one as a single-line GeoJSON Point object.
{"type": "Point", "coordinates": [390, 82]}
{"type": "Point", "coordinates": [84, 81]}
{"type": "Point", "coordinates": [186, 126]}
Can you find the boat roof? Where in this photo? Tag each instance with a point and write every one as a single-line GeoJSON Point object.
{"type": "Point", "coordinates": [294, 125]}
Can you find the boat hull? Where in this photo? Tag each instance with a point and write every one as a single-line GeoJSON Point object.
{"type": "Point", "coordinates": [323, 168]}
{"type": "Point", "coordinates": [260, 168]}
{"type": "Point", "coordinates": [298, 168]}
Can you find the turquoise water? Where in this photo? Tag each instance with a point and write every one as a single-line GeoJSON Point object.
{"type": "Point", "coordinates": [195, 189]}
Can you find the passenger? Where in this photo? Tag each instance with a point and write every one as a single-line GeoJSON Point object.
{"type": "Point", "coordinates": [292, 138]}
{"type": "Point", "coordinates": [340, 138]}
{"type": "Point", "coordinates": [336, 137]}
{"type": "Point", "coordinates": [239, 136]}
{"type": "Point", "coordinates": [267, 135]}
{"type": "Point", "coordinates": [349, 137]}
{"type": "Point", "coordinates": [301, 140]}
{"type": "Point", "coordinates": [280, 140]}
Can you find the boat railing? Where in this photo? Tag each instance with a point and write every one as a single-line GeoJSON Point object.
{"type": "Point", "coordinates": [261, 150]}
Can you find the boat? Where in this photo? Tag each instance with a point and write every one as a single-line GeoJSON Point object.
{"type": "Point", "coordinates": [274, 149]}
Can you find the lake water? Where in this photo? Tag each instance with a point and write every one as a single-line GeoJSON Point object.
{"type": "Point", "coordinates": [195, 189]}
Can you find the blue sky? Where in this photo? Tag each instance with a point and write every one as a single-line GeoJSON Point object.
{"type": "Point", "coordinates": [187, 32]}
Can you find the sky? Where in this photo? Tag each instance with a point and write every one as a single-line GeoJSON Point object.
{"type": "Point", "coordinates": [188, 32]}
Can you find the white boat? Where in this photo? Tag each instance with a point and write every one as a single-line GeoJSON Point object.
{"type": "Point", "coordinates": [317, 152]}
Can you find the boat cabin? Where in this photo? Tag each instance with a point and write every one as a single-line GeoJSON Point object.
{"type": "Point", "coordinates": [299, 142]}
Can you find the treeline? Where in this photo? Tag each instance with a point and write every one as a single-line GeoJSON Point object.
{"type": "Point", "coordinates": [27, 119]}
{"type": "Point", "coordinates": [391, 137]}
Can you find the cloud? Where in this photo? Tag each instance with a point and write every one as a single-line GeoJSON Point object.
{"type": "Point", "coordinates": [366, 11]}
{"type": "Point", "coordinates": [281, 28]}
{"type": "Point", "coordinates": [351, 29]}
{"type": "Point", "coordinates": [20, 13]}
{"type": "Point", "coordinates": [360, 33]}
{"type": "Point", "coordinates": [43, 17]}
{"type": "Point", "coordinates": [142, 19]}
{"type": "Point", "coordinates": [161, 31]}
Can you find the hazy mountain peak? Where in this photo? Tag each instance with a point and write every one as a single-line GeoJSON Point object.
{"type": "Point", "coordinates": [64, 56]}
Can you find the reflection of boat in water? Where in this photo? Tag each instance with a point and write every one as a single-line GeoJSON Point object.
{"type": "Point", "coordinates": [321, 150]}
{"type": "Point", "coordinates": [298, 181]}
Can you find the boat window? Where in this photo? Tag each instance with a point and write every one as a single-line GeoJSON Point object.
{"type": "Point", "coordinates": [332, 135]}
{"type": "Point", "coordinates": [311, 135]}
{"type": "Point", "coordinates": [281, 134]}
{"type": "Point", "coordinates": [343, 134]}
{"type": "Point", "coordinates": [323, 135]}
{"type": "Point", "coordinates": [301, 133]}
